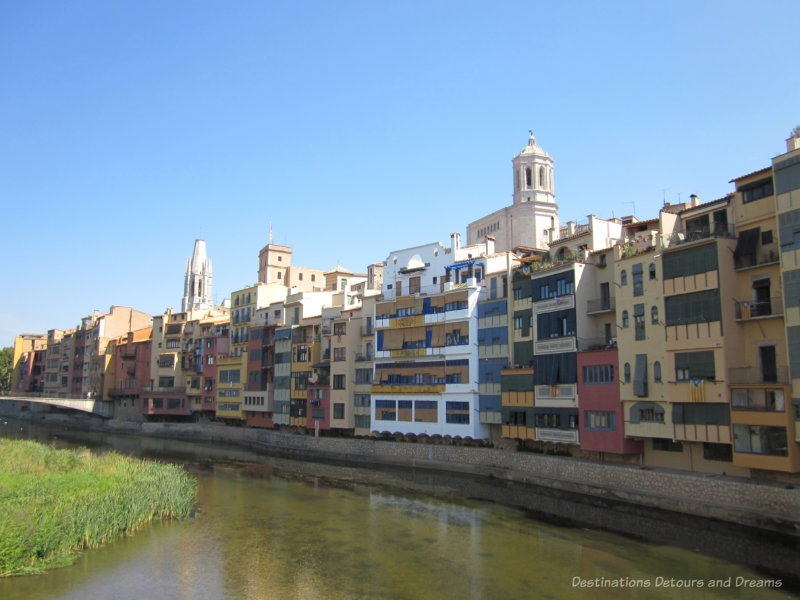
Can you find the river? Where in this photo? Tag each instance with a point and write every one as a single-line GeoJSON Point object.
{"type": "Point", "coordinates": [273, 528]}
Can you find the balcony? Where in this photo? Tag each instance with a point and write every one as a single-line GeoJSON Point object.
{"type": "Point", "coordinates": [366, 331]}
{"type": "Point", "coordinates": [778, 374]}
{"type": "Point", "coordinates": [599, 343]}
{"type": "Point", "coordinates": [601, 305]}
{"type": "Point", "coordinates": [363, 358]}
{"type": "Point", "coordinates": [757, 259]}
{"type": "Point", "coordinates": [749, 309]}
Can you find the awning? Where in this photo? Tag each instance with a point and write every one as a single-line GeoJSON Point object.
{"type": "Point", "coordinates": [748, 240]}
{"type": "Point", "coordinates": [282, 334]}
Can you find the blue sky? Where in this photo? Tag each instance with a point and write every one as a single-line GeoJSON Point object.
{"type": "Point", "coordinates": [128, 129]}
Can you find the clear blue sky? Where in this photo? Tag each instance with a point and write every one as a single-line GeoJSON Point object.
{"type": "Point", "coordinates": [128, 129]}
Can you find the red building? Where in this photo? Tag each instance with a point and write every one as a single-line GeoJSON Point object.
{"type": "Point", "coordinates": [130, 354]}
{"type": "Point", "coordinates": [259, 396]}
{"type": "Point", "coordinates": [602, 423]}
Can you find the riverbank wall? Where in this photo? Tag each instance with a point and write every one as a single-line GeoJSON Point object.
{"type": "Point", "coordinates": [774, 507]}
{"type": "Point", "coordinates": [766, 506]}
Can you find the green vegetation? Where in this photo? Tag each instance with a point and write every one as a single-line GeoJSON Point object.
{"type": "Point", "coordinates": [55, 502]}
{"type": "Point", "coordinates": [6, 356]}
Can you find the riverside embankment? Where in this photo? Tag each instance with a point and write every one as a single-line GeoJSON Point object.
{"type": "Point", "coordinates": [762, 505]}
{"type": "Point", "coordinates": [554, 490]}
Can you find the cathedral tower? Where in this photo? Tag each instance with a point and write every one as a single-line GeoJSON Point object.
{"type": "Point", "coordinates": [197, 282]}
{"type": "Point", "coordinates": [533, 217]}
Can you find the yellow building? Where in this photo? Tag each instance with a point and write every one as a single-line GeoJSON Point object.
{"type": "Point", "coordinates": [759, 378]}
{"type": "Point", "coordinates": [786, 173]}
{"type": "Point", "coordinates": [27, 363]}
{"type": "Point", "coordinates": [232, 369]}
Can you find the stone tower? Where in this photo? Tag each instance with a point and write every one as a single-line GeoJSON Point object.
{"type": "Point", "coordinates": [533, 216]}
{"type": "Point", "coordinates": [197, 281]}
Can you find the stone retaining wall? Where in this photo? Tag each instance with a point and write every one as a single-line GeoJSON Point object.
{"type": "Point", "coordinates": [762, 505]}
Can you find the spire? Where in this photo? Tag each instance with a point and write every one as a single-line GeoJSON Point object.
{"type": "Point", "coordinates": [270, 231]}
{"type": "Point", "coordinates": [197, 282]}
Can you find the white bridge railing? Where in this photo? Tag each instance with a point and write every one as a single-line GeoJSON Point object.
{"type": "Point", "coordinates": [98, 407]}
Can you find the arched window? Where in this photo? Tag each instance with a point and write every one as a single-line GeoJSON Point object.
{"type": "Point", "coordinates": [624, 319]}
{"type": "Point", "coordinates": [627, 372]}
{"type": "Point", "coordinates": [654, 315]}
{"type": "Point", "coordinates": [527, 177]}
{"type": "Point", "coordinates": [657, 372]}
{"type": "Point", "coordinates": [623, 277]}
{"type": "Point", "coordinates": [652, 271]}
{"type": "Point", "coordinates": [542, 182]}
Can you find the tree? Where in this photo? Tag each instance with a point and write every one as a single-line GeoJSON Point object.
{"type": "Point", "coordinates": [796, 130]}
{"type": "Point", "coordinates": [6, 356]}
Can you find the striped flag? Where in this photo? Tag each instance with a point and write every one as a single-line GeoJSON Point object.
{"type": "Point", "coordinates": [698, 390]}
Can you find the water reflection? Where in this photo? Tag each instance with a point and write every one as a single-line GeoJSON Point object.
{"type": "Point", "coordinates": [263, 531]}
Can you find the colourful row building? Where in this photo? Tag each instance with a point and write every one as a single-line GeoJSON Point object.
{"type": "Point", "coordinates": [670, 342]}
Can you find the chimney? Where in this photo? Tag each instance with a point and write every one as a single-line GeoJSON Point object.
{"type": "Point", "coordinates": [793, 143]}
{"type": "Point", "coordinates": [695, 200]}
{"type": "Point", "coordinates": [570, 227]}
{"type": "Point", "coordinates": [489, 245]}
{"type": "Point", "coordinates": [455, 241]}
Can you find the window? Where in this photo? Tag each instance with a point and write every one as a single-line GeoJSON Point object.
{"type": "Point", "coordinates": [696, 307]}
{"type": "Point", "coordinates": [339, 354]}
{"type": "Point", "coordinates": [625, 320]}
{"type": "Point", "coordinates": [363, 375]}
{"type": "Point", "coordinates": [638, 280]}
{"type": "Point", "coordinates": [338, 410]}
{"type": "Point", "coordinates": [228, 376]}
{"type": "Point", "coordinates": [652, 271]}
{"type": "Point", "coordinates": [548, 420]}
{"type": "Point", "coordinates": [692, 261]}
{"type": "Point", "coordinates": [638, 321]}
{"type": "Point", "coordinates": [528, 177]}
{"type": "Point", "coordinates": [516, 417]}
{"type": "Point", "coordinates": [600, 420]}
{"type": "Point", "coordinates": [385, 410]}
{"type": "Point", "coordinates": [756, 191]}
{"type": "Point", "coordinates": [339, 328]}
{"type": "Point", "coordinates": [166, 382]}
{"type": "Point", "coordinates": [666, 445]}
{"type": "Point", "coordinates": [766, 237]}
{"type": "Point", "coordinates": [654, 315]}
{"type": "Point", "coordinates": [300, 276]}
{"type": "Point", "coordinates": [694, 365]}
{"type": "Point", "coordinates": [598, 374]}
{"type": "Point", "coordinates": [757, 399]}
{"type": "Point", "coordinates": [338, 382]}
{"type": "Point", "coordinates": [760, 439]}
{"type": "Point", "coordinates": [623, 277]}
{"type": "Point", "coordinates": [627, 372]}
{"type": "Point", "coordinates": [657, 372]}
{"type": "Point", "coordinates": [518, 322]}
{"type": "Point", "coordinates": [721, 452]}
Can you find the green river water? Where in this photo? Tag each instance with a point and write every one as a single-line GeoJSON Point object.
{"type": "Point", "coordinates": [270, 528]}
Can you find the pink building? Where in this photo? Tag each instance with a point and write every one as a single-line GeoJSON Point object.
{"type": "Point", "coordinates": [602, 424]}
{"type": "Point", "coordinates": [216, 342]}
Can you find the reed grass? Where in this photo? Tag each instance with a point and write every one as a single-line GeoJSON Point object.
{"type": "Point", "coordinates": [54, 503]}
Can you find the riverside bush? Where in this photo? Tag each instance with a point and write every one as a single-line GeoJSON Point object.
{"type": "Point", "coordinates": [56, 502]}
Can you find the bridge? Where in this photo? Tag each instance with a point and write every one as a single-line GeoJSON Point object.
{"type": "Point", "coordinates": [101, 408]}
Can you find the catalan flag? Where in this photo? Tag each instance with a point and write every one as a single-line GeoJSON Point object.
{"type": "Point", "coordinates": [697, 389]}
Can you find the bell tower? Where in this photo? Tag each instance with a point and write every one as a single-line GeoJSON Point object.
{"type": "Point", "coordinates": [197, 281]}
{"type": "Point", "coordinates": [533, 175]}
